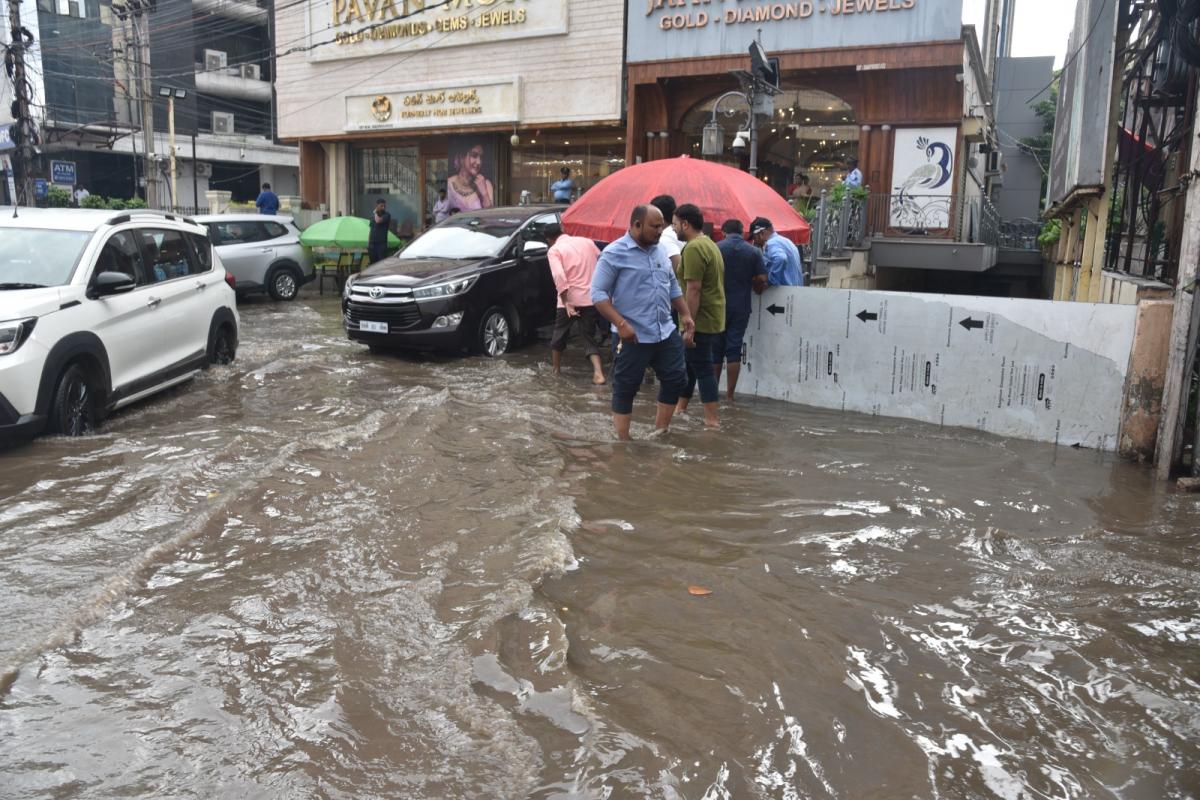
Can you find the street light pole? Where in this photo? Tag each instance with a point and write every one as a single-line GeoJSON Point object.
{"type": "Point", "coordinates": [171, 145]}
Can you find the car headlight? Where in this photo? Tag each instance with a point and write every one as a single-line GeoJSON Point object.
{"type": "Point", "coordinates": [346, 286]}
{"type": "Point", "coordinates": [14, 332]}
{"type": "Point", "coordinates": [445, 289]}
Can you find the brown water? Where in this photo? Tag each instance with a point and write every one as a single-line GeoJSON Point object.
{"type": "Point", "coordinates": [321, 573]}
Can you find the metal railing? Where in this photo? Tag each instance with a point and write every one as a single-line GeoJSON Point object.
{"type": "Point", "coordinates": [849, 222]}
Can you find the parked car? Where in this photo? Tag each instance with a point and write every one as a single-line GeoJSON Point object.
{"type": "Point", "coordinates": [262, 252]}
{"type": "Point", "coordinates": [99, 309]}
{"type": "Point", "coordinates": [478, 281]}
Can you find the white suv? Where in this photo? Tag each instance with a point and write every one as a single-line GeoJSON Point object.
{"type": "Point", "coordinates": [99, 309]}
{"type": "Point", "coordinates": [263, 253]}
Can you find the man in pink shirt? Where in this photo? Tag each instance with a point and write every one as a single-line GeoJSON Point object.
{"type": "Point", "coordinates": [572, 262]}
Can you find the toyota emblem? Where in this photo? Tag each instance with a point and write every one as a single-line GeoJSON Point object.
{"type": "Point", "coordinates": [376, 292]}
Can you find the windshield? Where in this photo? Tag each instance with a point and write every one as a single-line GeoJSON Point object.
{"type": "Point", "coordinates": [464, 236]}
{"type": "Point", "coordinates": [31, 257]}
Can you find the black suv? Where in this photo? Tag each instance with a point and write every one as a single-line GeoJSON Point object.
{"type": "Point", "coordinates": [478, 281]}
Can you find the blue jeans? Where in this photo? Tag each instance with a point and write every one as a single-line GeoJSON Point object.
{"type": "Point", "coordinates": [629, 368]}
{"type": "Point", "coordinates": [728, 346]}
{"type": "Point", "coordinates": [700, 368]}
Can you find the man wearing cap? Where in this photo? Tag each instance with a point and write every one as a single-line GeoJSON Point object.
{"type": "Point", "coordinates": [634, 288]}
{"type": "Point", "coordinates": [780, 256]}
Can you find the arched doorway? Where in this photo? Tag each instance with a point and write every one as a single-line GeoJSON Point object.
{"type": "Point", "coordinates": [810, 132]}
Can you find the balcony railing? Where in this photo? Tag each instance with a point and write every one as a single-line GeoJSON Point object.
{"type": "Point", "coordinates": [849, 222]}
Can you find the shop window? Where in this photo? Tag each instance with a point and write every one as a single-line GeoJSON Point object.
{"type": "Point", "coordinates": [393, 174]}
{"type": "Point", "coordinates": [537, 163]}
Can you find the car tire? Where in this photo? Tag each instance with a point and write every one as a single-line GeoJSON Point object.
{"type": "Point", "coordinates": [222, 345]}
{"type": "Point", "coordinates": [73, 409]}
{"type": "Point", "coordinates": [283, 283]}
{"type": "Point", "coordinates": [496, 335]}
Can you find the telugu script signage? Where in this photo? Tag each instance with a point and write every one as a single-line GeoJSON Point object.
{"type": "Point", "coordinates": [357, 28]}
{"type": "Point", "coordinates": [669, 29]}
{"type": "Point", "coordinates": [434, 107]}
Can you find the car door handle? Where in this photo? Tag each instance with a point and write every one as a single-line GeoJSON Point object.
{"type": "Point", "coordinates": [266, 250]}
{"type": "Point", "coordinates": [153, 302]}
{"type": "Point", "coordinates": [201, 286]}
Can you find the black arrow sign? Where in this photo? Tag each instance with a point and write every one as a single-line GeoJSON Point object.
{"type": "Point", "coordinates": [969, 323]}
{"type": "Point", "coordinates": [865, 315]}
{"type": "Point", "coordinates": [774, 309]}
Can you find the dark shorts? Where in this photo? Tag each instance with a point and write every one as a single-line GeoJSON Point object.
{"type": "Point", "coordinates": [629, 368]}
{"type": "Point", "coordinates": [728, 346]}
{"type": "Point", "coordinates": [588, 324]}
{"type": "Point", "coordinates": [699, 361]}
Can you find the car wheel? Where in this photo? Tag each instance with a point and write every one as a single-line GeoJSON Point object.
{"type": "Point", "coordinates": [283, 283]}
{"type": "Point", "coordinates": [495, 333]}
{"type": "Point", "coordinates": [223, 347]}
{"type": "Point", "coordinates": [74, 410]}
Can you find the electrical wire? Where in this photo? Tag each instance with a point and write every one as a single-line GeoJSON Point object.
{"type": "Point", "coordinates": [1078, 50]}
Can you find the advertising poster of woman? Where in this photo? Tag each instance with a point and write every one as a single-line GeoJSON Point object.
{"type": "Point", "coordinates": [471, 182]}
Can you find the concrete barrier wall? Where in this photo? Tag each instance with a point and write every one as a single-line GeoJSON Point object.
{"type": "Point", "coordinates": [1033, 369]}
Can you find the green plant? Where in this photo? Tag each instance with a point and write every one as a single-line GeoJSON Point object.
{"type": "Point", "coordinates": [136, 202]}
{"type": "Point", "coordinates": [58, 197]}
{"type": "Point", "coordinates": [116, 203]}
{"type": "Point", "coordinates": [856, 193]}
{"type": "Point", "coordinates": [1051, 231]}
{"type": "Point", "coordinates": [94, 201]}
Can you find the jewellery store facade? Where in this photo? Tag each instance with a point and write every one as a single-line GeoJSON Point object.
{"type": "Point", "coordinates": [894, 83]}
{"type": "Point", "coordinates": [487, 99]}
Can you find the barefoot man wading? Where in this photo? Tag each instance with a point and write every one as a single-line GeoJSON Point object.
{"type": "Point", "coordinates": [572, 263]}
{"type": "Point", "coordinates": [635, 289]}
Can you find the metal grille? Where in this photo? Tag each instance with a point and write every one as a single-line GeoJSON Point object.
{"type": "Point", "coordinates": [396, 316]}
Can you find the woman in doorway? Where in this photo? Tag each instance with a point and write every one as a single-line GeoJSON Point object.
{"type": "Point", "coordinates": [468, 189]}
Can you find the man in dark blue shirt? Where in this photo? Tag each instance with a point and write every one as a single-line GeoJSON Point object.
{"type": "Point", "coordinates": [268, 201]}
{"type": "Point", "coordinates": [744, 272]}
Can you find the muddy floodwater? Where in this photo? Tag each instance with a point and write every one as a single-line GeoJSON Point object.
{"type": "Point", "coordinates": [320, 573]}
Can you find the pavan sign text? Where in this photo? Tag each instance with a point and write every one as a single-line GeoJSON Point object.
{"type": "Point", "coordinates": [370, 27]}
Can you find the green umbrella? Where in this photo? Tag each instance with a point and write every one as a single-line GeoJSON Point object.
{"type": "Point", "coordinates": [345, 232]}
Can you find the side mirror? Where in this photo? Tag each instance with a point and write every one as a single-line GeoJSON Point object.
{"type": "Point", "coordinates": [532, 247]}
{"type": "Point", "coordinates": [108, 283]}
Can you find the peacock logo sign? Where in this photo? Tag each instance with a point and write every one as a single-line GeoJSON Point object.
{"type": "Point", "coordinates": [922, 168]}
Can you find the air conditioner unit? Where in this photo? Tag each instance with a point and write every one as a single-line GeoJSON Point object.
{"type": "Point", "coordinates": [203, 169]}
{"type": "Point", "coordinates": [222, 122]}
{"type": "Point", "coordinates": [252, 72]}
{"type": "Point", "coordinates": [215, 60]}
{"type": "Point", "coordinates": [994, 162]}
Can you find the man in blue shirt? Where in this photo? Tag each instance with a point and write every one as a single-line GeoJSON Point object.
{"type": "Point", "coordinates": [781, 257]}
{"type": "Point", "coordinates": [634, 288]}
{"type": "Point", "coordinates": [853, 174]}
{"type": "Point", "coordinates": [744, 272]}
{"type": "Point", "coordinates": [268, 201]}
{"type": "Point", "coordinates": [563, 188]}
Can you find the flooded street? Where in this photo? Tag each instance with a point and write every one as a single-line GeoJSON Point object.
{"type": "Point", "coordinates": [323, 573]}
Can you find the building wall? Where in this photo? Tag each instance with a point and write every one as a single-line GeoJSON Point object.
{"type": "Point", "coordinates": [1017, 80]}
{"type": "Point", "coordinates": [568, 78]}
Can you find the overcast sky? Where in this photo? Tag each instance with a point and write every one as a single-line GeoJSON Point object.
{"type": "Point", "coordinates": [1042, 26]}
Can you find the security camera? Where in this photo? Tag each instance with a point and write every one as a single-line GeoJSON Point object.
{"type": "Point", "coordinates": [740, 142]}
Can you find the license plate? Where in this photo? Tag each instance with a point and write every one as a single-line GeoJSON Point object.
{"type": "Point", "coordinates": [366, 326]}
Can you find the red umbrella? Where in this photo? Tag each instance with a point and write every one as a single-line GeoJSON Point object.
{"type": "Point", "coordinates": [721, 192]}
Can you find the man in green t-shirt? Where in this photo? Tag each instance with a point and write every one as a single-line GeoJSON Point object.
{"type": "Point", "coordinates": [701, 274]}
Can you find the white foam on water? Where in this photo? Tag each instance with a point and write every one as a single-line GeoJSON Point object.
{"type": "Point", "coordinates": [872, 680]}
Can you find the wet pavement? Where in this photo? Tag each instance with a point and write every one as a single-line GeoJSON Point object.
{"type": "Point", "coordinates": [323, 573]}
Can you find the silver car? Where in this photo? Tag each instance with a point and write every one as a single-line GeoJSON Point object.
{"type": "Point", "coordinates": [262, 252]}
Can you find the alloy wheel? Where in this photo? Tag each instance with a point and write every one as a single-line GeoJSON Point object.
{"type": "Point", "coordinates": [77, 416]}
{"type": "Point", "coordinates": [496, 334]}
{"type": "Point", "coordinates": [285, 285]}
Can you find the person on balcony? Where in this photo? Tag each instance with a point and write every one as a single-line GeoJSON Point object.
{"type": "Point", "coordinates": [853, 177]}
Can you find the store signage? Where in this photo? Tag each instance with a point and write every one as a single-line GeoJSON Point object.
{"type": "Point", "coordinates": [62, 173]}
{"type": "Point", "coordinates": [434, 107]}
{"type": "Point", "coordinates": [6, 141]}
{"type": "Point", "coordinates": [357, 28]}
{"type": "Point", "coordinates": [669, 29]}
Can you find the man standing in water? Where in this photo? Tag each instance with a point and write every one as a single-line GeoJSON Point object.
{"type": "Point", "coordinates": [744, 272]}
{"type": "Point", "coordinates": [635, 289]}
{"type": "Point", "coordinates": [702, 273]}
{"type": "Point", "coordinates": [572, 263]}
